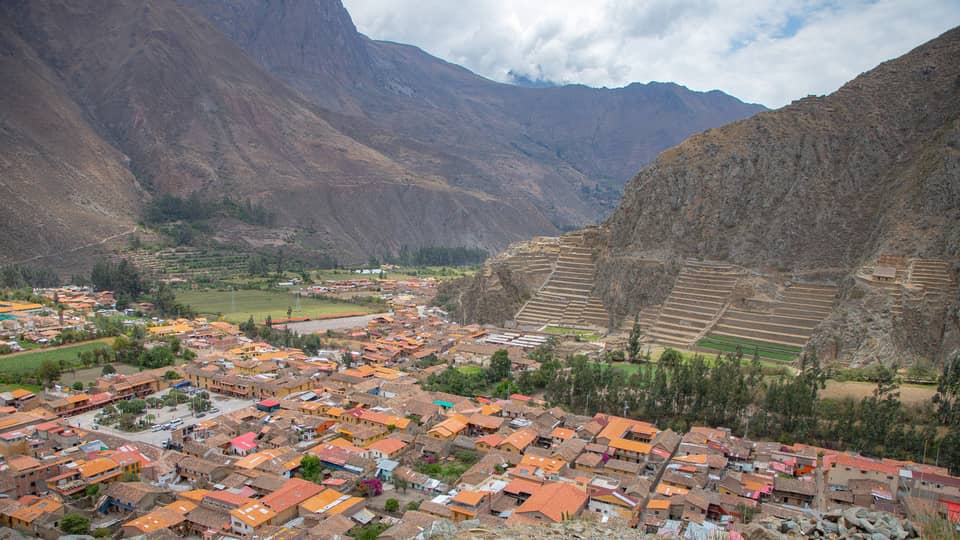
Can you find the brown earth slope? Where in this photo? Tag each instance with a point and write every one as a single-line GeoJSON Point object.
{"type": "Point", "coordinates": [549, 146]}
{"type": "Point", "coordinates": [61, 185]}
{"type": "Point", "coordinates": [359, 147]}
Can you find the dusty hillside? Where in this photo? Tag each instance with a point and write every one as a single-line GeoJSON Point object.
{"type": "Point", "coordinates": [61, 185]}
{"type": "Point", "coordinates": [358, 147]}
{"type": "Point", "coordinates": [549, 146]}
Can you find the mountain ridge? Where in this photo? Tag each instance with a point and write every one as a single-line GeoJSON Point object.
{"type": "Point", "coordinates": [358, 147]}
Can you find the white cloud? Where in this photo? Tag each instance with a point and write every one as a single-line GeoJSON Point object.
{"type": "Point", "coordinates": [766, 51]}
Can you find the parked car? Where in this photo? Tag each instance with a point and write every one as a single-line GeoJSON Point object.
{"type": "Point", "coordinates": [95, 426]}
{"type": "Point", "coordinates": [214, 410]}
{"type": "Point", "coordinates": [200, 414]}
{"type": "Point", "coordinates": [157, 427]}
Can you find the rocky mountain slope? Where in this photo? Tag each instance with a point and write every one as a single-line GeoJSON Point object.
{"type": "Point", "coordinates": [567, 149]}
{"type": "Point", "coordinates": [61, 184]}
{"type": "Point", "coordinates": [358, 146]}
{"type": "Point", "coordinates": [811, 191]}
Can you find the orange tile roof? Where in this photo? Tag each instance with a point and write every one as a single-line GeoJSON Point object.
{"type": "Point", "coordinates": [345, 505]}
{"type": "Point", "coordinates": [531, 463]}
{"type": "Point", "coordinates": [194, 495]}
{"type": "Point", "coordinates": [556, 501]}
{"type": "Point", "coordinates": [321, 500]}
{"type": "Point", "coordinates": [253, 514]}
{"type": "Point", "coordinates": [181, 507]}
{"type": "Point", "coordinates": [293, 492]}
{"type": "Point", "coordinates": [562, 433]}
{"type": "Point", "coordinates": [387, 446]}
{"type": "Point", "coordinates": [97, 466]}
{"type": "Point", "coordinates": [161, 518]}
{"type": "Point", "coordinates": [492, 439]}
{"type": "Point", "coordinates": [519, 439]}
{"type": "Point", "coordinates": [519, 485]}
{"type": "Point", "coordinates": [630, 446]}
{"type": "Point", "coordinates": [659, 504]}
{"type": "Point", "coordinates": [470, 498]}
{"type": "Point", "coordinates": [855, 462]}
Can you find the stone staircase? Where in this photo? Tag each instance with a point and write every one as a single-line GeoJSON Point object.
{"type": "Point", "coordinates": [698, 297]}
{"type": "Point", "coordinates": [565, 298]}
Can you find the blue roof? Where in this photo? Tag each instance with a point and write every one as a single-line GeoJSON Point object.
{"type": "Point", "coordinates": [442, 403]}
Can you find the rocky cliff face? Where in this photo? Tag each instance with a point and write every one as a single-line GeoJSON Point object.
{"type": "Point", "coordinates": [820, 187]}
{"type": "Point", "coordinates": [821, 183]}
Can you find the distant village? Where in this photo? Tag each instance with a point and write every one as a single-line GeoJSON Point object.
{"type": "Point", "coordinates": [286, 444]}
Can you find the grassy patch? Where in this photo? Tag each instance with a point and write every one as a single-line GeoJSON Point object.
{"type": "Point", "coordinates": [11, 387]}
{"type": "Point", "coordinates": [470, 370]}
{"type": "Point", "coordinates": [27, 362]}
{"type": "Point", "coordinates": [784, 353]}
{"type": "Point", "coordinates": [585, 335]}
{"type": "Point", "coordinates": [90, 374]}
{"type": "Point", "coordinates": [909, 393]}
{"type": "Point", "coordinates": [238, 306]}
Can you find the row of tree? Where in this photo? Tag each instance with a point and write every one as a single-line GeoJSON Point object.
{"type": "Point", "coordinates": [732, 392]}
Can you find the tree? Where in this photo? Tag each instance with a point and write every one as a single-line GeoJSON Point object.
{"type": "Point", "coordinates": [108, 370]}
{"type": "Point", "coordinates": [500, 365]}
{"type": "Point", "coordinates": [289, 312]}
{"type": "Point", "coordinates": [164, 300]}
{"type": "Point", "coordinates": [48, 371]}
{"type": "Point", "coordinates": [400, 484]}
{"type": "Point", "coordinates": [170, 375]}
{"type": "Point", "coordinates": [633, 344]}
{"type": "Point", "coordinates": [413, 505]}
{"type": "Point", "coordinates": [78, 386]}
{"type": "Point", "coordinates": [948, 392]}
{"type": "Point", "coordinates": [75, 524]}
{"type": "Point", "coordinates": [310, 467]}
{"type": "Point", "coordinates": [93, 490]}
{"type": "Point", "coordinates": [391, 505]}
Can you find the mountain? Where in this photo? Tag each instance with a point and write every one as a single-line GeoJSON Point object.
{"type": "Point", "coordinates": [551, 146]}
{"type": "Point", "coordinates": [358, 147]}
{"type": "Point", "coordinates": [824, 190]}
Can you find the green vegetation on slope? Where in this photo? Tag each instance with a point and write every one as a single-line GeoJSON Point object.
{"type": "Point", "coordinates": [727, 344]}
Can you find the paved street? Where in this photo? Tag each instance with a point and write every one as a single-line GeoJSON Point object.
{"type": "Point", "coordinates": [163, 415]}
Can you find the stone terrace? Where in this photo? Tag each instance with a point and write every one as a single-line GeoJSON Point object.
{"type": "Point", "coordinates": [699, 296]}
{"type": "Point", "coordinates": [565, 298]}
{"type": "Point", "coordinates": [802, 308]}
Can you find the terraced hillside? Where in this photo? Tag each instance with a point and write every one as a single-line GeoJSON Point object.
{"type": "Point", "coordinates": [777, 335]}
{"type": "Point", "coordinates": [565, 298]}
{"type": "Point", "coordinates": [700, 295]}
{"type": "Point", "coordinates": [187, 263]}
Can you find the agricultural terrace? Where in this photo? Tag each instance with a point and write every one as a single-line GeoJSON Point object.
{"type": "Point", "coordinates": [238, 306]}
{"type": "Point", "coordinates": [29, 361]}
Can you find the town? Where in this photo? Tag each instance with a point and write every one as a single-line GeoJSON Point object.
{"type": "Point", "coordinates": [197, 427]}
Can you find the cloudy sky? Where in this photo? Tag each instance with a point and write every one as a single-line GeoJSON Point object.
{"type": "Point", "coordinates": [764, 51]}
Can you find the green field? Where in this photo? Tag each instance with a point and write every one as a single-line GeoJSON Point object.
{"type": "Point", "coordinates": [11, 387]}
{"type": "Point", "coordinates": [27, 362]}
{"type": "Point", "coordinates": [470, 370]}
{"type": "Point", "coordinates": [783, 353]}
{"type": "Point", "coordinates": [238, 306]}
